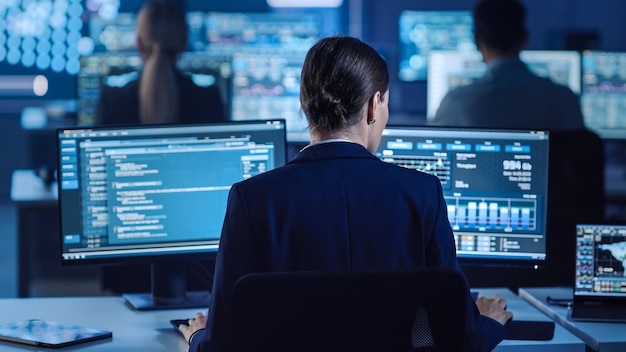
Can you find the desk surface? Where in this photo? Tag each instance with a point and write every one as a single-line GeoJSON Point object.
{"type": "Point", "coordinates": [602, 337]}
{"type": "Point", "coordinates": [150, 330]}
{"type": "Point", "coordinates": [522, 310]}
{"type": "Point", "coordinates": [132, 330]}
{"type": "Point", "coordinates": [26, 187]}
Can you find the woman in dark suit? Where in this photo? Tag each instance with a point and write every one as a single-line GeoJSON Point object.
{"type": "Point", "coordinates": [336, 206]}
{"type": "Point", "coordinates": [162, 94]}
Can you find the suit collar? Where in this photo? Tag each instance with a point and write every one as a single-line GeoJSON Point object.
{"type": "Point", "coordinates": [332, 150]}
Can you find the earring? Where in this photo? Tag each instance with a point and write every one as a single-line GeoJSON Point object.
{"type": "Point", "coordinates": [371, 122]}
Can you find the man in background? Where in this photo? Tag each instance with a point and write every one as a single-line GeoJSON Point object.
{"type": "Point", "coordinates": [508, 95]}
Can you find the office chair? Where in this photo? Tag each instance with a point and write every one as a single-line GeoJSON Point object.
{"type": "Point", "coordinates": [420, 310]}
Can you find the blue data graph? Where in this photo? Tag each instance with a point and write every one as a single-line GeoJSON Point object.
{"type": "Point", "coordinates": [439, 166]}
{"type": "Point", "coordinates": [499, 214]}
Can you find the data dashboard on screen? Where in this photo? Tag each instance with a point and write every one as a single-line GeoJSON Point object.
{"type": "Point", "coordinates": [449, 69]}
{"type": "Point", "coordinates": [423, 31]}
{"type": "Point", "coordinates": [603, 97]}
{"type": "Point", "coordinates": [116, 69]}
{"type": "Point", "coordinates": [494, 184]}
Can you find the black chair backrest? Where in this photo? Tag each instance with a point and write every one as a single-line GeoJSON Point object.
{"type": "Point", "coordinates": [346, 311]}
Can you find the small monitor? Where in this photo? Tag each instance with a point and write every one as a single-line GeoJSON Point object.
{"type": "Point", "coordinates": [449, 69]}
{"type": "Point", "coordinates": [601, 260]}
{"type": "Point", "coordinates": [423, 31]}
{"type": "Point", "coordinates": [603, 98]}
{"type": "Point", "coordinates": [118, 69]}
{"type": "Point", "coordinates": [494, 183]}
{"type": "Point", "coordinates": [156, 194]}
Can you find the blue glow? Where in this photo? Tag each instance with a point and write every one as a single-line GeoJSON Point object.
{"type": "Point", "coordinates": [58, 49]}
{"type": "Point", "coordinates": [85, 46]}
{"type": "Point", "coordinates": [57, 20]}
{"type": "Point", "coordinates": [3, 38]}
{"type": "Point", "coordinates": [45, 34]}
{"type": "Point", "coordinates": [57, 64]}
{"type": "Point", "coordinates": [43, 47]}
{"type": "Point", "coordinates": [43, 61]}
{"type": "Point", "coordinates": [73, 37]}
{"type": "Point", "coordinates": [120, 80]}
{"type": "Point", "coordinates": [28, 58]}
{"type": "Point", "coordinates": [13, 42]}
{"type": "Point", "coordinates": [73, 66]}
{"type": "Point", "coordinates": [75, 9]}
{"type": "Point", "coordinates": [60, 6]}
{"type": "Point", "coordinates": [203, 80]}
{"type": "Point", "coordinates": [58, 35]}
{"type": "Point", "coordinates": [108, 11]}
{"type": "Point", "coordinates": [72, 52]}
{"type": "Point", "coordinates": [3, 53]}
{"type": "Point", "coordinates": [28, 44]}
{"type": "Point", "coordinates": [13, 57]}
{"type": "Point", "coordinates": [75, 24]}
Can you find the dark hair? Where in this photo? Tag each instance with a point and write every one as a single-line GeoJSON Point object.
{"type": "Point", "coordinates": [339, 76]}
{"type": "Point", "coordinates": [162, 28]}
{"type": "Point", "coordinates": [500, 23]}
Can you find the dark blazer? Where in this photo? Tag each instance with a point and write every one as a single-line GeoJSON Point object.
{"type": "Point", "coordinates": [196, 104]}
{"type": "Point", "coordinates": [334, 207]}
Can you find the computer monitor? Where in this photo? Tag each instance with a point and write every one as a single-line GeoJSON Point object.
{"type": "Point", "coordinates": [494, 183]}
{"type": "Point", "coordinates": [423, 31]}
{"type": "Point", "coordinates": [266, 84]}
{"type": "Point", "coordinates": [118, 69]}
{"type": "Point", "coordinates": [156, 194]}
{"type": "Point", "coordinates": [448, 69]}
{"type": "Point", "coordinates": [230, 32]}
{"type": "Point", "coordinates": [603, 98]}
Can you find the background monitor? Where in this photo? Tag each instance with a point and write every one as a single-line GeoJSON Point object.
{"type": "Point", "coordinates": [117, 33]}
{"type": "Point", "coordinates": [451, 69]}
{"type": "Point", "coordinates": [266, 84]}
{"type": "Point", "coordinates": [156, 194]}
{"type": "Point", "coordinates": [423, 31]}
{"type": "Point", "coordinates": [118, 68]}
{"type": "Point", "coordinates": [494, 183]}
{"type": "Point", "coordinates": [231, 32]}
{"type": "Point", "coordinates": [603, 97]}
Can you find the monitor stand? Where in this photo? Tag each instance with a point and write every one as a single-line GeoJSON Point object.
{"type": "Point", "coordinates": [169, 284]}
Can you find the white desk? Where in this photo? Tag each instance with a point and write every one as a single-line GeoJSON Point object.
{"type": "Point", "coordinates": [151, 331]}
{"type": "Point", "coordinates": [132, 330]}
{"type": "Point", "coordinates": [601, 337]}
{"type": "Point", "coordinates": [32, 199]}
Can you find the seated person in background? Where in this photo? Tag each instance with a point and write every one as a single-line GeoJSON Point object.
{"type": "Point", "coordinates": [336, 206]}
{"type": "Point", "coordinates": [162, 94]}
{"type": "Point", "coordinates": [508, 95]}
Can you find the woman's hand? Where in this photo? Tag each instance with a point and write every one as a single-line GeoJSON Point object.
{"type": "Point", "coordinates": [197, 323]}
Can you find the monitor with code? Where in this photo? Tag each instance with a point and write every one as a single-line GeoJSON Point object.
{"type": "Point", "coordinates": [156, 193]}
